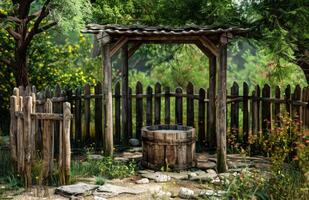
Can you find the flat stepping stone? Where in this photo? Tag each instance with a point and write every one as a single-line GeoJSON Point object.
{"type": "Point", "coordinates": [206, 165]}
{"type": "Point", "coordinates": [76, 189]}
{"type": "Point", "coordinates": [110, 190]}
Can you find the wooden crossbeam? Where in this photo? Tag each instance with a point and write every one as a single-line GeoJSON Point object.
{"type": "Point", "coordinates": [121, 41]}
{"type": "Point", "coordinates": [134, 48]}
{"type": "Point", "coordinates": [209, 45]}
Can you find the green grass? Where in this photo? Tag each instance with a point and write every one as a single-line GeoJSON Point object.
{"type": "Point", "coordinates": [105, 168]}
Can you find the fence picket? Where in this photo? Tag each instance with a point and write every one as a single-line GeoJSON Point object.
{"type": "Point", "coordinates": [235, 111]}
{"type": "Point", "coordinates": [190, 105]}
{"type": "Point", "coordinates": [78, 118]}
{"type": "Point", "coordinates": [149, 107]}
{"type": "Point", "coordinates": [117, 114]}
{"type": "Point", "coordinates": [287, 97]}
{"type": "Point", "coordinates": [130, 123]}
{"type": "Point", "coordinates": [266, 109]}
{"type": "Point", "coordinates": [277, 106]}
{"type": "Point", "coordinates": [87, 113]}
{"type": "Point", "coordinates": [157, 104]}
{"type": "Point", "coordinates": [201, 117]}
{"type": "Point", "coordinates": [167, 105]}
{"type": "Point", "coordinates": [98, 116]}
{"type": "Point", "coordinates": [178, 106]}
{"type": "Point", "coordinates": [245, 113]}
{"type": "Point", "coordinates": [139, 109]}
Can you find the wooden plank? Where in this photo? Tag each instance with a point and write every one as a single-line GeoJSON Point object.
{"type": "Point", "coordinates": [78, 118]}
{"type": "Point", "coordinates": [296, 109]}
{"type": "Point", "coordinates": [57, 108]}
{"type": "Point", "coordinates": [157, 104]}
{"type": "Point", "coordinates": [211, 115]}
{"type": "Point", "coordinates": [254, 111]}
{"type": "Point", "coordinates": [117, 114]}
{"type": "Point", "coordinates": [167, 107]}
{"type": "Point", "coordinates": [245, 114]}
{"type": "Point", "coordinates": [98, 117]}
{"type": "Point", "coordinates": [87, 114]}
{"type": "Point", "coordinates": [178, 106]}
{"type": "Point", "coordinates": [258, 107]}
{"type": "Point", "coordinates": [125, 93]}
{"type": "Point", "coordinates": [190, 105]}
{"type": "Point", "coordinates": [139, 110]}
{"type": "Point", "coordinates": [108, 104]}
{"type": "Point", "coordinates": [39, 124]}
{"type": "Point", "coordinates": [266, 110]}
{"type": "Point", "coordinates": [69, 95]}
{"type": "Point", "coordinates": [149, 107]}
{"type": "Point", "coordinates": [20, 138]}
{"type": "Point", "coordinates": [235, 112]}
{"type": "Point", "coordinates": [47, 144]}
{"type": "Point", "coordinates": [120, 43]}
{"type": "Point", "coordinates": [13, 129]}
{"type": "Point", "coordinates": [277, 106]}
{"type": "Point", "coordinates": [221, 110]}
{"type": "Point", "coordinates": [66, 141]}
{"type": "Point", "coordinates": [201, 117]}
{"type": "Point", "coordinates": [287, 98]}
{"type": "Point", "coordinates": [27, 108]}
{"type": "Point", "coordinates": [130, 118]}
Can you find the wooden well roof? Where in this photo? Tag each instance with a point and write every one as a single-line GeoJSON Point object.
{"type": "Point", "coordinates": [139, 30]}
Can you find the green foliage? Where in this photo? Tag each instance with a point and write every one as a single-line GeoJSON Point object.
{"type": "Point", "coordinates": [106, 167]}
{"type": "Point", "coordinates": [100, 180]}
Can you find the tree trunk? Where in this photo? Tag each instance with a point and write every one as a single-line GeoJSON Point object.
{"type": "Point", "coordinates": [21, 68]}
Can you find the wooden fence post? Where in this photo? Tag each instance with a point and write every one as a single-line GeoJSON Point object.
{"type": "Point", "coordinates": [13, 126]}
{"type": "Point", "coordinates": [277, 106]}
{"type": "Point", "coordinates": [201, 117]}
{"type": "Point", "coordinates": [157, 104]}
{"type": "Point", "coordinates": [139, 109]}
{"type": "Point", "coordinates": [27, 108]}
{"type": "Point", "coordinates": [235, 111]}
{"type": "Point", "coordinates": [149, 107]}
{"type": "Point", "coordinates": [117, 113]}
{"type": "Point", "coordinates": [129, 111]}
{"type": "Point", "coordinates": [78, 118]}
{"type": "Point", "coordinates": [266, 109]}
{"type": "Point", "coordinates": [178, 106]}
{"type": "Point", "coordinates": [98, 116]}
{"type": "Point", "coordinates": [245, 114]}
{"type": "Point", "coordinates": [167, 113]}
{"type": "Point", "coordinates": [190, 105]}
{"type": "Point", "coordinates": [66, 141]}
{"type": "Point", "coordinates": [87, 113]}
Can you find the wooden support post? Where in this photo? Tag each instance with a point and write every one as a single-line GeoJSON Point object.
{"type": "Point", "coordinates": [66, 145]}
{"type": "Point", "coordinates": [221, 110]}
{"type": "Point", "coordinates": [108, 100]}
{"type": "Point", "coordinates": [211, 132]}
{"type": "Point", "coordinates": [27, 108]}
{"type": "Point", "coordinates": [125, 94]}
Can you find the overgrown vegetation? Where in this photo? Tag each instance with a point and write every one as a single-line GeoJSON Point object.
{"type": "Point", "coordinates": [105, 168]}
{"type": "Point", "coordinates": [286, 145]}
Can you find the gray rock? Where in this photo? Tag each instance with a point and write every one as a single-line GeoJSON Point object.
{"type": "Point", "coordinates": [209, 176]}
{"type": "Point", "coordinates": [177, 175]}
{"type": "Point", "coordinates": [99, 198]}
{"type": "Point", "coordinates": [94, 157]}
{"type": "Point", "coordinates": [206, 165]}
{"type": "Point", "coordinates": [76, 189]}
{"type": "Point", "coordinates": [134, 142]}
{"type": "Point", "coordinates": [216, 181]}
{"type": "Point", "coordinates": [211, 193]}
{"type": "Point", "coordinates": [157, 176]}
{"type": "Point", "coordinates": [160, 178]}
{"type": "Point", "coordinates": [142, 181]}
{"type": "Point", "coordinates": [185, 193]}
{"type": "Point", "coordinates": [109, 190]}
{"type": "Point", "coordinates": [160, 194]}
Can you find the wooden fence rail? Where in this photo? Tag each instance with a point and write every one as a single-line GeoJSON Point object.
{"type": "Point", "coordinates": [45, 127]}
{"type": "Point", "coordinates": [249, 112]}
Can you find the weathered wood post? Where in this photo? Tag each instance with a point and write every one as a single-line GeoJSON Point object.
{"type": "Point", "coordinates": [211, 129]}
{"type": "Point", "coordinates": [66, 141]}
{"type": "Point", "coordinates": [107, 96]}
{"type": "Point", "coordinates": [221, 104]}
{"type": "Point", "coordinates": [13, 126]}
{"type": "Point", "coordinates": [125, 93]}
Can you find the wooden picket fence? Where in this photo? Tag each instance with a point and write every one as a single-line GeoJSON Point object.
{"type": "Point", "coordinates": [33, 131]}
{"type": "Point", "coordinates": [248, 113]}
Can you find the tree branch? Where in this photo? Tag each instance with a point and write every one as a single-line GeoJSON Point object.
{"type": "Point", "coordinates": [46, 27]}
{"type": "Point", "coordinates": [44, 12]}
{"type": "Point", "coordinates": [7, 62]}
{"type": "Point", "coordinates": [14, 34]}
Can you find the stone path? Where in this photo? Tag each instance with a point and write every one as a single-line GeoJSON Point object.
{"type": "Point", "coordinates": [148, 184]}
